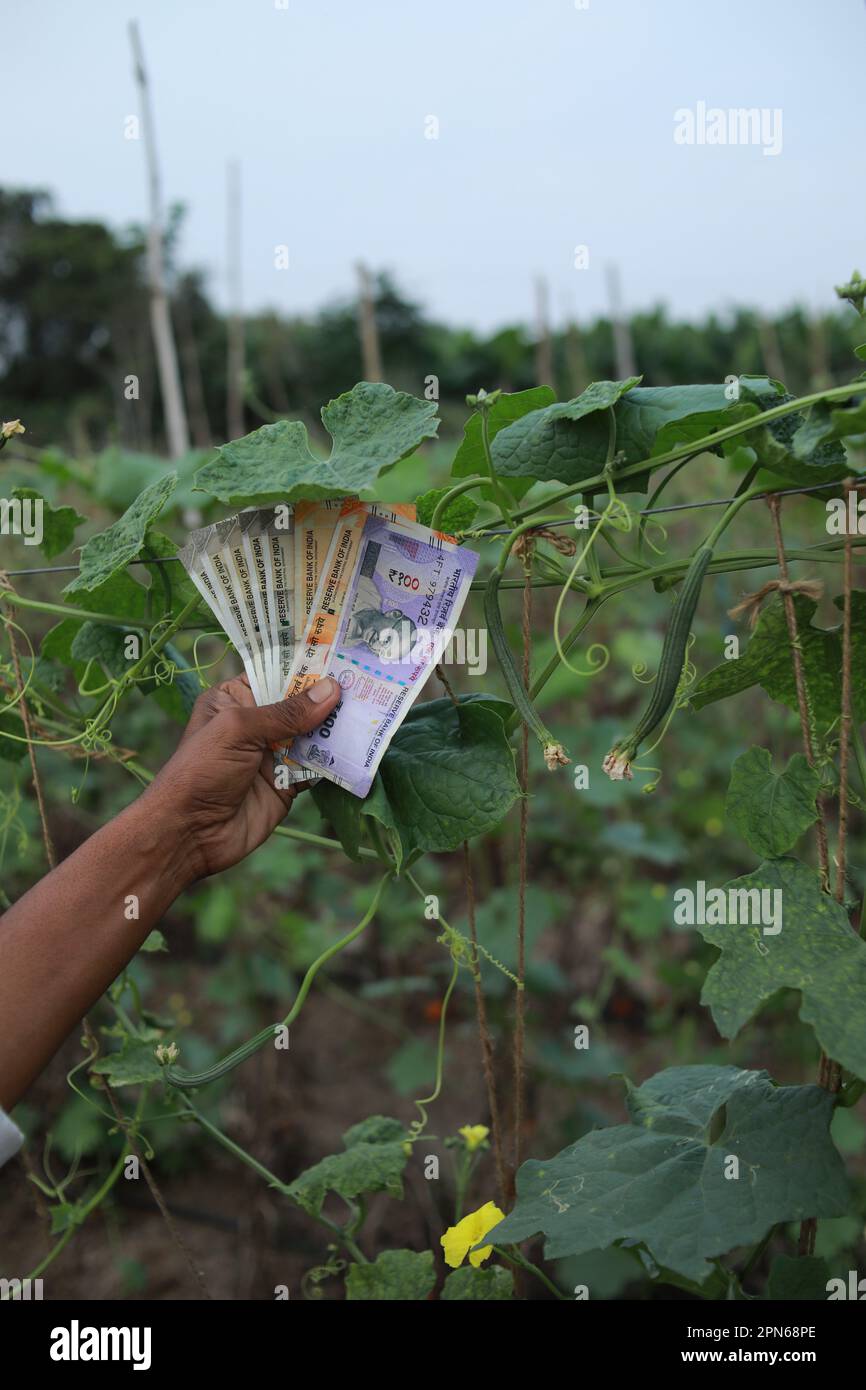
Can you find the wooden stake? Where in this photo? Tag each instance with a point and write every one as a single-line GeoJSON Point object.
{"type": "Point", "coordinates": [371, 358]}
{"type": "Point", "coordinates": [544, 345]}
{"type": "Point", "coordinates": [176, 429]}
{"type": "Point", "coordinates": [235, 362]}
{"type": "Point", "coordinates": [771, 352]}
{"type": "Point", "coordinates": [622, 344]}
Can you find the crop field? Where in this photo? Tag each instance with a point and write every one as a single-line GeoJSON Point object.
{"type": "Point", "coordinates": [550, 986]}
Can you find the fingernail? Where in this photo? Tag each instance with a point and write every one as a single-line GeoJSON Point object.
{"type": "Point", "coordinates": [322, 690]}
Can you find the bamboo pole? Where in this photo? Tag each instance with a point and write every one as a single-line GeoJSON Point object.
{"type": "Point", "coordinates": [371, 357]}
{"type": "Point", "coordinates": [623, 348]}
{"type": "Point", "coordinates": [177, 432]}
{"type": "Point", "coordinates": [543, 343]}
{"type": "Point", "coordinates": [235, 361]}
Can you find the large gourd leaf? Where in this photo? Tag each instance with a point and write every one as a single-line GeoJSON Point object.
{"type": "Point", "coordinates": [508, 407]}
{"type": "Point", "coordinates": [489, 1285]}
{"type": "Point", "coordinates": [373, 1161]}
{"type": "Point", "coordinates": [767, 662]}
{"type": "Point", "coordinates": [372, 427]}
{"type": "Point", "coordinates": [564, 442]}
{"type": "Point", "coordinates": [826, 423]}
{"type": "Point", "coordinates": [58, 523]}
{"type": "Point", "coordinates": [568, 442]}
{"type": "Point", "coordinates": [816, 952]}
{"type": "Point", "coordinates": [448, 775]}
{"type": "Point", "coordinates": [397, 1276]}
{"type": "Point", "coordinates": [103, 555]}
{"type": "Point", "coordinates": [771, 810]}
{"type": "Point", "coordinates": [661, 1179]}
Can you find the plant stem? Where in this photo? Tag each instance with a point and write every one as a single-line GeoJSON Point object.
{"type": "Point", "coordinates": [337, 946]}
{"type": "Point", "coordinates": [515, 1257]}
{"type": "Point", "coordinates": [271, 1179]}
{"type": "Point", "coordinates": [498, 486]}
{"type": "Point", "coordinates": [84, 615]}
{"type": "Point", "coordinates": [445, 502]}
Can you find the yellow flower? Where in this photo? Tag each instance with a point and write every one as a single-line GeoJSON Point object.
{"type": "Point", "coordinates": [10, 427]}
{"type": "Point", "coordinates": [459, 1239]}
{"type": "Point", "coordinates": [474, 1136]}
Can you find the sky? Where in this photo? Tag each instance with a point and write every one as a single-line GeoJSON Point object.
{"type": "Point", "coordinates": [560, 126]}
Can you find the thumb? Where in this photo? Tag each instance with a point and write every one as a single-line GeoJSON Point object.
{"type": "Point", "coordinates": [279, 723]}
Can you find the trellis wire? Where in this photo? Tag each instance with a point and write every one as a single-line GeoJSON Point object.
{"type": "Point", "coordinates": [504, 530]}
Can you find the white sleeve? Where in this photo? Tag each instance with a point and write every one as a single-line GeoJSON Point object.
{"type": "Point", "coordinates": [11, 1138]}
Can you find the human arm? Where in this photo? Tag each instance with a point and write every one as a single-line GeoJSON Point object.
{"type": "Point", "coordinates": [65, 941]}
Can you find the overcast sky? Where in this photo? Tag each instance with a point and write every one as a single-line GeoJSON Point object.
{"type": "Point", "coordinates": [556, 130]}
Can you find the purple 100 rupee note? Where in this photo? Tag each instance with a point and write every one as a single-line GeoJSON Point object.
{"type": "Point", "coordinates": [379, 625]}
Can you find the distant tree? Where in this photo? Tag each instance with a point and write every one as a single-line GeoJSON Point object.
{"type": "Point", "coordinates": [72, 309]}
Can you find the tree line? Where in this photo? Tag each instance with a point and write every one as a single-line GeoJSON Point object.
{"type": "Point", "coordinates": [76, 357]}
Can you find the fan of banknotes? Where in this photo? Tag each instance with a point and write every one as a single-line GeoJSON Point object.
{"type": "Point", "coordinates": [354, 590]}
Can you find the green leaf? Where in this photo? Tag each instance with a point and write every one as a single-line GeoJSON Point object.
{"type": "Point", "coordinates": [774, 445]}
{"type": "Point", "coordinates": [120, 597]}
{"type": "Point", "coordinates": [78, 1129]}
{"type": "Point", "coordinates": [448, 775]}
{"type": "Point", "coordinates": [816, 952]}
{"type": "Point", "coordinates": [13, 738]}
{"type": "Point", "coordinates": [767, 662]}
{"type": "Point", "coordinates": [103, 555]}
{"type": "Point", "coordinates": [661, 1178]}
{"type": "Point", "coordinates": [56, 646]}
{"type": "Point", "coordinates": [64, 1215]}
{"type": "Point", "coordinates": [493, 1284]}
{"type": "Point", "coordinates": [99, 642]}
{"type": "Point", "coordinates": [798, 1278]}
{"type": "Point", "coordinates": [107, 645]}
{"type": "Point", "coordinates": [372, 428]}
{"type": "Point", "coordinates": [771, 810]}
{"type": "Point", "coordinates": [395, 1275]}
{"type": "Point", "coordinates": [172, 576]}
{"type": "Point", "coordinates": [510, 406]}
{"type": "Point", "coordinates": [58, 523]}
{"type": "Point", "coordinates": [771, 445]}
{"type": "Point", "coordinates": [376, 1129]}
{"type": "Point", "coordinates": [135, 1065]}
{"type": "Point", "coordinates": [458, 515]}
{"type": "Point", "coordinates": [564, 442]}
{"type": "Point", "coordinates": [343, 812]}
{"type": "Point", "coordinates": [373, 1162]}
{"type": "Point", "coordinates": [825, 423]}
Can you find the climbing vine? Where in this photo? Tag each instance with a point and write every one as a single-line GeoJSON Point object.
{"type": "Point", "coordinates": [560, 497]}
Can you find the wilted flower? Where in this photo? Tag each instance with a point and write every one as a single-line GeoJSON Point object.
{"type": "Point", "coordinates": [11, 427]}
{"type": "Point", "coordinates": [617, 767]}
{"type": "Point", "coordinates": [554, 756]}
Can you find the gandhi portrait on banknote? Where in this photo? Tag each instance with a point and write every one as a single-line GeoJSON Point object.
{"type": "Point", "coordinates": [388, 632]}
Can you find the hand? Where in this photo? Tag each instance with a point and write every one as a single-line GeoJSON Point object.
{"type": "Point", "coordinates": [218, 787]}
